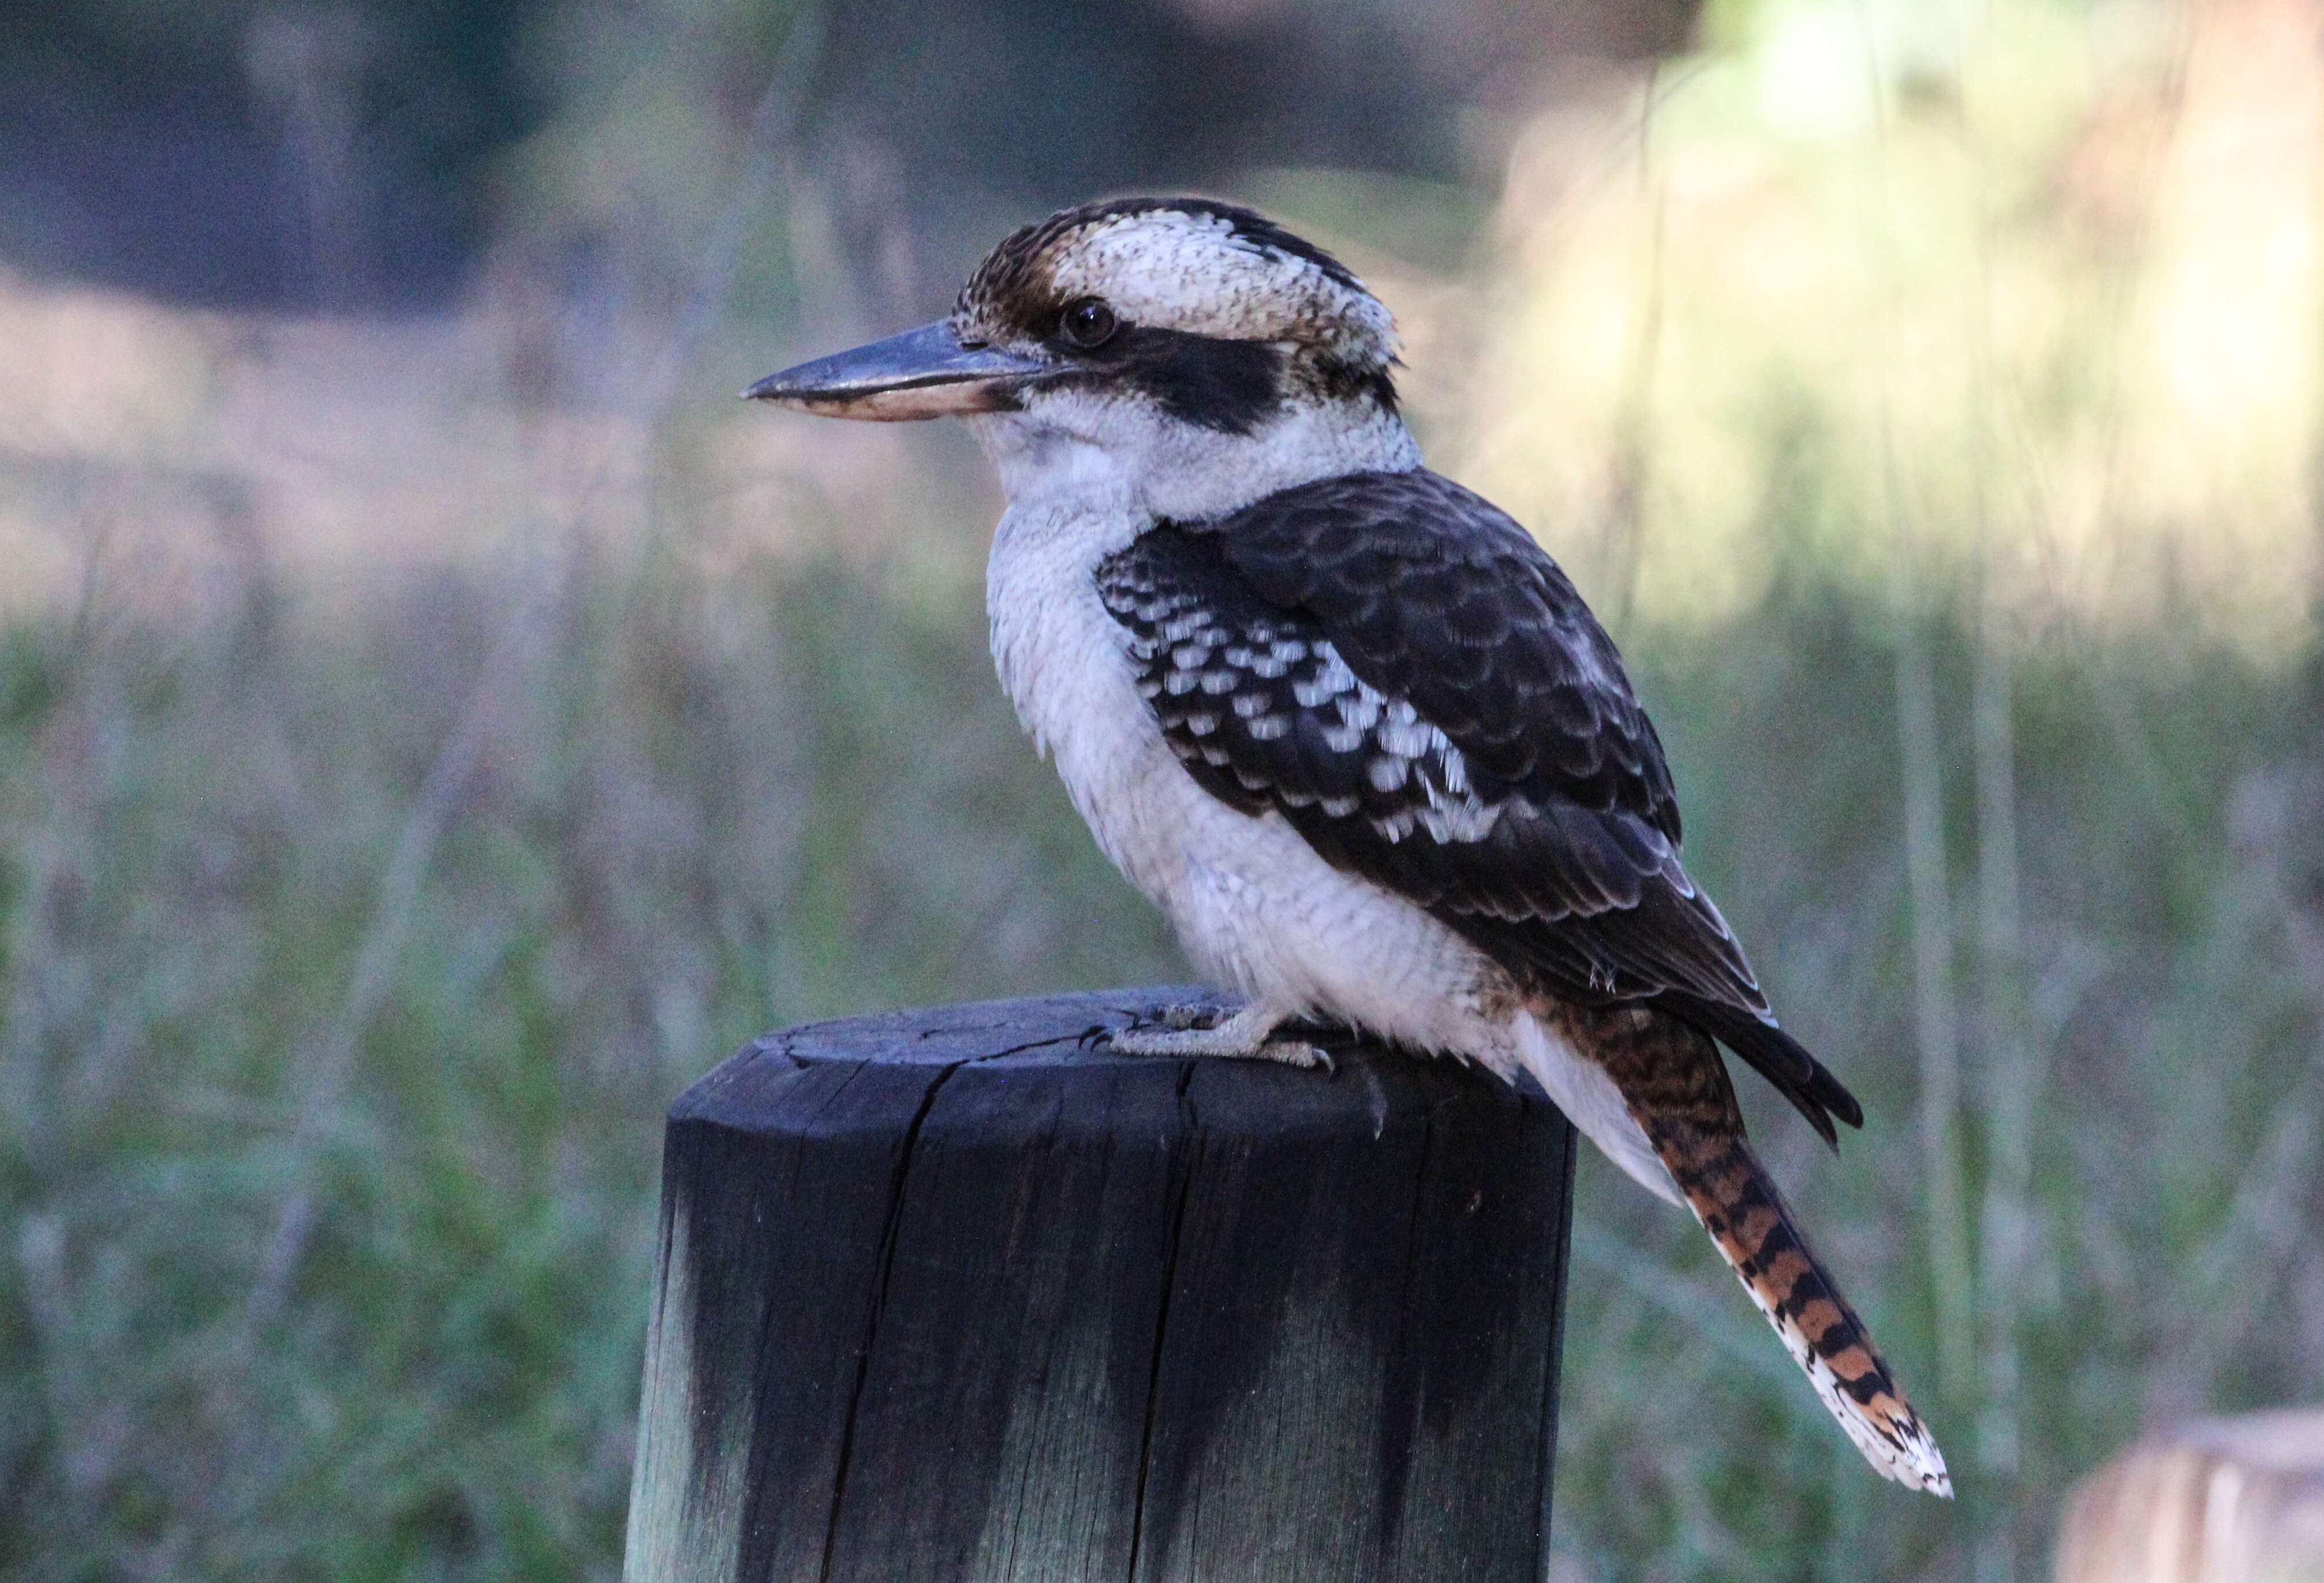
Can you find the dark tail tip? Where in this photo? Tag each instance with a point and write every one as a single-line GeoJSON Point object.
{"type": "Point", "coordinates": [1779, 1058]}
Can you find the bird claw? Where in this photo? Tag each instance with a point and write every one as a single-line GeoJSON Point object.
{"type": "Point", "coordinates": [1197, 1030]}
{"type": "Point", "coordinates": [1297, 1052]}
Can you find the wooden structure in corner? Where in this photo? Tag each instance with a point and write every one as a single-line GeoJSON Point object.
{"type": "Point", "coordinates": [2214, 1500]}
{"type": "Point", "coordinates": [961, 1294]}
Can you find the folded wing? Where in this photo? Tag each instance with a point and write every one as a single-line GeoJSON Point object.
{"type": "Point", "coordinates": [1394, 666]}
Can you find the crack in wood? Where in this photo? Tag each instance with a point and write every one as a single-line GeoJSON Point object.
{"type": "Point", "coordinates": [1181, 1186]}
{"type": "Point", "coordinates": [887, 1266]}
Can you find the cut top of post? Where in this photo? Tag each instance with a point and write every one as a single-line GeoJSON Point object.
{"type": "Point", "coordinates": [962, 1293]}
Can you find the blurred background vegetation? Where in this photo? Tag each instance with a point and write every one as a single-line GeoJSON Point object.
{"type": "Point", "coordinates": [437, 722]}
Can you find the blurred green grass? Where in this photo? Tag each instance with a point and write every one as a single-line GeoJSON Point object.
{"type": "Point", "coordinates": [674, 833]}
{"type": "Point", "coordinates": [2151, 1050]}
{"type": "Point", "coordinates": [697, 807]}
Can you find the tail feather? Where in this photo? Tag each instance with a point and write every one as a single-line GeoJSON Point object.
{"type": "Point", "coordinates": [1737, 1201]}
{"type": "Point", "coordinates": [1675, 1086]}
{"type": "Point", "coordinates": [1776, 1056]}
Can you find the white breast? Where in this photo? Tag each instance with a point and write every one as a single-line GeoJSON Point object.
{"type": "Point", "coordinates": [1255, 908]}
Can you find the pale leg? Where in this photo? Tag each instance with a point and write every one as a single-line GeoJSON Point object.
{"type": "Point", "coordinates": [1240, 1038]}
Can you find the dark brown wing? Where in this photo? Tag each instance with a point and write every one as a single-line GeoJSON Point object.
{"type": "Point", "coordinates": [1397, 667]}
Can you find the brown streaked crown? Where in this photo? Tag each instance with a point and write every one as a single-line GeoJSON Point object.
{"type": "Point", "coordinates": [1190, 282]}
{"type": "Point", "coordinates": [1016, 278]}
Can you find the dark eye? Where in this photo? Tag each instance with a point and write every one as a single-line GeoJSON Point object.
{"type": "Point", "coordinates": [1087, 323]}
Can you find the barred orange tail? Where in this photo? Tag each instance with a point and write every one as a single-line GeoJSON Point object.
{"type": "Point", "coordinates": [1735, 1198]}
{"type": "Point", "coordinates": [1675, 1086]}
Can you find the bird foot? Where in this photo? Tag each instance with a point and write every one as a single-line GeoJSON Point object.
{"type": "Point", "coordinates": [1193, 1014]}
{"type": "Point", "coordinates": [1198, 1030]}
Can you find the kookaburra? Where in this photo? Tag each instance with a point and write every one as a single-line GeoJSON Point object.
{"type": "Point", "coordinates": [1346, 723]}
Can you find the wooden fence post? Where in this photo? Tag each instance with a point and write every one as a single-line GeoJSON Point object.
{"type": "Point", "coordinates": [952, 1294]}
{"type": "Point", "coordinates": [2212, 1500]}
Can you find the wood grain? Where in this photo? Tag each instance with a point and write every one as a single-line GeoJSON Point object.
{"type": "Point", "coordinates": [963, 1294]}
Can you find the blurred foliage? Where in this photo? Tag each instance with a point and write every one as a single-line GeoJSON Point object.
{"type": "Point", "coordinates": [2027, 292]}
{"type": "Point", "coordinates": [425, 745]}
{"type": "Point", "coordinates": [699, 806]}
{"type": "Point", "coordinates": [2155, 1035]}
{"type": "Point", "coordinates": [689, 813]}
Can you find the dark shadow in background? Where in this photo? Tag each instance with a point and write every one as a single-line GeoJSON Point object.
{"type": "Point", "coordinates": [225, 153]}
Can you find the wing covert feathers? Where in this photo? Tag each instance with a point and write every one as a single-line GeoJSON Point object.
{"type": "Point", "coordinates": [1395, 668]}
{"type": "Point", "coordinates": [1672, 1080]}
{"type": "Point", "coordinates": [1401, 673]}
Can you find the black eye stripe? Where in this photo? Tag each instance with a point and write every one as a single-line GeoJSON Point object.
{"type": "Point", "coordinates": [1230, 386]}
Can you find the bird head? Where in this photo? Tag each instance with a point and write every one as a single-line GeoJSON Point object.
{"type": "Point", "coordinates": [1190, 353]}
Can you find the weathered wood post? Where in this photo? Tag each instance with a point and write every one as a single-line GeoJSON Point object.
{"type": "Point", "coordinates": [952, 1295]}
{"type": "Point", "coordinates": [2212, 1500]}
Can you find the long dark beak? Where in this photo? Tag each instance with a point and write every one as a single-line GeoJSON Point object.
{"type": "Point", "coordinates": [921, 374]}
